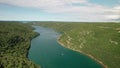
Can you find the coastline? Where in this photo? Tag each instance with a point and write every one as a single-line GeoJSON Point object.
{"type": "Point", "coordinates": [89, 55]}
{"type": "Point", "coordinates": [30, 43]}
{"type": "Point", "coordinates": [37, 34]}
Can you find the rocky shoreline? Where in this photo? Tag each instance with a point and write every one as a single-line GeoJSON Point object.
{"type": "Point", "coordinates": [89, 55]}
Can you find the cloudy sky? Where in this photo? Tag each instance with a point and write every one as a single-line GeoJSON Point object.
{"type": "Point", "coordinates": [60, 10]}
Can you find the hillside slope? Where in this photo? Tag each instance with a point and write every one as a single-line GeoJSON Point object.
{"type": "Point", "coordinates": [100, 41]}
{"type": "Point", "coordinates": [14, 45]}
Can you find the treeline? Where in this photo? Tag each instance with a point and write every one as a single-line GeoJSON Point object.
{"type": "Point", "coordinates": [15, 40]}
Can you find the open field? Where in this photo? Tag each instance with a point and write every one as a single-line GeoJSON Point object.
{"type": "Point", "coordinates": [100, 41]}
{"type": "Point", "coordinates": [15, 40]}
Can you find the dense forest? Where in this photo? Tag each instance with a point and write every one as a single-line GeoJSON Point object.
{"type": "Point", "coordinates": [100, 41]}
{"type": "Point", "coordinates": [15, 40]}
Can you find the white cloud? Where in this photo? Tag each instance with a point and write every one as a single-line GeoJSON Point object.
{"type": "Point", "coordinates": [113, 17]}
{"type": "Point", "coordinates": [113, 14]}
{"type": "Point", "coordinates": [77, 1]}
{"type": "Point", "coordinates": [41, 3]}
{"type": "Point", "coordinates": [88, 11]}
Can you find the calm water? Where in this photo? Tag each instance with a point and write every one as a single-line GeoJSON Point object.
{"type": "Point", "coordinates": [46, 51]}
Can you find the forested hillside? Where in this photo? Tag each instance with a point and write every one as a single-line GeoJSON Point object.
{"type": "Point", "coordinates": [15, 40]}
{"type": "Point", "coordinates": [100, 41]}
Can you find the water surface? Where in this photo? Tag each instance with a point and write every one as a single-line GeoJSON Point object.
{"type": "Point", "coordinates": [46, 51]}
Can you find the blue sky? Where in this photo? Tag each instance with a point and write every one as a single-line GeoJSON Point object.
{"type": "Point", "coordinates": [60, 10]}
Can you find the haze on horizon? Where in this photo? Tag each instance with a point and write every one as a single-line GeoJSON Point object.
{"type": "Point", "coordinates": [60, 10]}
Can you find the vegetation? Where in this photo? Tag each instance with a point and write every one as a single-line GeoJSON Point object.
{"type": "Point", "coordinates": [15, 40]}
{"type": "Point", "coordinates": [98, 40]}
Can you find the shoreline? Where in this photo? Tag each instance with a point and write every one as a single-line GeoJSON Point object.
{"type": "Point", "coordinates": [89, 55]}
{"type": "Point", "coordinates": [37, 34]}
{"type": "Point", "coordinates": [30, 44]}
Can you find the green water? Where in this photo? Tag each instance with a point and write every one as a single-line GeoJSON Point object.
{"type": "Point", "coordinates": [46, 51]}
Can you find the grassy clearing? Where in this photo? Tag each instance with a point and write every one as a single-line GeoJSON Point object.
{"type": "Point", "coordinates": [15, 40]}
{"type": "Point", "coordinates": [100, 40]}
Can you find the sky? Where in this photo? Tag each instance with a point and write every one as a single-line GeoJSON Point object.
{"type": "Point", "coordinates": [60, 10]}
